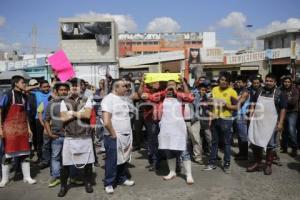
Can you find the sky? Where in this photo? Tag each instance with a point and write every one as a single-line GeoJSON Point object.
{"type": "Point", "coordinates": [228, 18]}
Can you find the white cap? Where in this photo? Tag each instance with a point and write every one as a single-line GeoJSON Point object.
{"type": "Point", "coordinates": [33, 82]}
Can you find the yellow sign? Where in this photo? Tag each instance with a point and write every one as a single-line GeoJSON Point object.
{"type": "Point", "coordinates": [156, 77]}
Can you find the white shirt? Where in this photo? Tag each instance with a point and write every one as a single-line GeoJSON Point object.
{"type": "Point", "coordinates": [88, 104]}
{"type": "Point", "coordinates": [119, 109]}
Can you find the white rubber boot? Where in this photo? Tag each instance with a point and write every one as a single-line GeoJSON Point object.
{"type": "Point", "coordinates": [5, 175]}
{"type": "Point", "coordinates": [172, 167]}
{"type": "Point", "coordinates": [188, 171]}
{"type": "Point", "coordinates": [26, 173]}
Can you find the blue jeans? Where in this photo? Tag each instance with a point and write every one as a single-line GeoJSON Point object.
{"type": "Point", "coordinates": [114, 174]}
{"type": "Point", "coordinates": [46, 149]}
{"type": "Point", "coordinates": [242, 128]}
{"type": "Point", "coordinates": [221, 127]}
{"type": "Point", "coordinates": [152, 128]}
{"type": "Point", "coordinates": [290, 131]}
{"type": "Point", "coordinates": [56, 157]}
{"type": "Point", "coordinates": [272, 145]}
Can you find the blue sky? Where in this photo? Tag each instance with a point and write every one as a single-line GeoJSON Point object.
{"type": "Point", "coordinates": [227, 17]}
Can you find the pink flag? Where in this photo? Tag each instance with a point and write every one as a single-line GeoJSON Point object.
{"type": "Point", "coordinates": [61, 64]}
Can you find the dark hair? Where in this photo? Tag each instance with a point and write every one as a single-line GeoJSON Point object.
{"type": "Point", "coordinates": [74, 81]}
{"type": "Point", "coordinates": [198, 56]}
{"type": "Point", "coordinates": [242, 78]}
{"type": "Point", "coordinates": [60, 84]}
{"type": "Point", "coordinates": [226, 75]}
{"type": "Point", "coordinates": [202, 85]}
{"type": "Point", "coordinates": [82, 81]}
{"type": "Point", "coordinates": [43, 82]}
{"type": "Point", "coordinates": [16, 79]}
{"type": "Point", "coordinates": [272, 76]}
{"type": "Point", "coordinates": [287, 77]}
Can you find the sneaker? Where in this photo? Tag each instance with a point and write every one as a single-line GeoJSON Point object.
{"type": "Point", "coordinates": [210, 167]}
{"type": "Point", "coordinates": [128, 183]}
{"type": "Point", "coordinates": [199, 161]}
{"type": "Point", "coordinates": [54, 182]}
{"type": "Point", "coordinates": [109, 189]}
{"type": "Point", "coordinates": [227, 169]}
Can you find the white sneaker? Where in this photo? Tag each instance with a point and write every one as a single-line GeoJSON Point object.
{"type": "Point", "coordinates": [109, 189]}
{"type": "Point", "coordinates": [128, 183]}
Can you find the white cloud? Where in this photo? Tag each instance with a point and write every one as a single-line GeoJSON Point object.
{"type": "Point", "coordinates": [243, 36]}
{"type": "Point", "coordinates": [163, 24]}
{"type": "Point", "coordinates": [277, 25]}
{"type": "Point", "coordinates": [9, 46]}
{"type": "Point", "coordinates": [2, 20]}
{"type": "Point", "coordinates": [125, 22]}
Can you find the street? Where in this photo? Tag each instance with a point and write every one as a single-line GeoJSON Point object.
{"type": "Point", "coordinates": [284, 183]}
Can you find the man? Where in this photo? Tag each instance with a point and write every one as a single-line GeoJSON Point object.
{"type": "Point", "coordinates": [98, 97]}
{"type": "Point", "coordinates": [43, 141]}
{"type": "Point", "coordinates": [255, 87]}
{"type": "Point", "coordinates": [224, 103]}
{"type": "Point", "coordinates": [84, 91]}
{"type": "Point", "coordinates": [172, 137]}
{"type": "Point", "coordinates": [77, 150]}
{"type": "Point", "coordinates": [118, 140]}
{"type": "Point", "coordinates": [205, 119]}
{"type": "Point", "coordinates": [291, 93]}
{"type": "Point", "coordinates": [152, 111]}
{"type": "Point", "coordinates": [193, 126]}
{"type": "Point", "coordinates": [32, 112]}
{"type": "Point", "coordinates": [266, 121]}
{"type": "Point", "coordinates": [241, 120]}
{"type": "Point", "coordinates": [15, 130]}
{"type": "Point", "coordinates": [55, 131]}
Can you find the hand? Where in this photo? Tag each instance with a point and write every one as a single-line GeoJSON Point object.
{"type": "Point", "coordinates": [51, 135]}
{"type": "Point", "coordinates": [30, 133]}
{"type": "Point", "coordinates": [143, 78]}
{"type": "Point", "coordinates": [113, 136]}
{"type": "Point", "coordinates": [279, 126]}
{"type": "Point", "coordinates": [144, 96]}
{"type": "Point", "coordinates": [181, 78]}
{"type": "Point", "coordinates": [1, 133]}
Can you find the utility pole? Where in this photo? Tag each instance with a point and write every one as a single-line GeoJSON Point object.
{"type": "Point", "coordinates": [34, 40]}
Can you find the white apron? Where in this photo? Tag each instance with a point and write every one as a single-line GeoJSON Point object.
{"type": "Point", "coordinates": [124, 147]}
{"type": "Point", "coordinates": [263, 122]}
{"type": "Point", "coordinates": [173, 131]}
{"type": "Point", "coordinates": [78, 151]}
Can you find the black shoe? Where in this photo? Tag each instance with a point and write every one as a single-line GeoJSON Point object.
{"type": "Point", "coordinates": [89, 188]}
{"type": "Point", "coordinates": [294, 153]}
{"type": "Point", "coordinates": [43, 165]}
{"type": "Point", "coordinates": [284, 150]}
{"type": "Point", "coordinates": [62, 192]}
{"type": "Point", "coordinates": [96, 164]}
{"type": "Point", "coordinates": [241, 158]}
{"type": "Point", "coordinates": [151, 168]}
{"type": "Point", "coordinates": [227, 169]}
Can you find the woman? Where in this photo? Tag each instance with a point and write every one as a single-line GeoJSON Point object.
{"type": "Point", "coordinates": [194, 57]}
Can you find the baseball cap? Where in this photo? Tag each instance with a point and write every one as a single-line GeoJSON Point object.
{"type": "Point", "coordinates": [33, 82]}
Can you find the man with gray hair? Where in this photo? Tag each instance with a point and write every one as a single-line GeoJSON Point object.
{"type": "Point", "coordinates": [118, 137]}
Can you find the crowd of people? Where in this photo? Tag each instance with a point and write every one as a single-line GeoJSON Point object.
{"type": "Point", "coordinates": [61, 126]}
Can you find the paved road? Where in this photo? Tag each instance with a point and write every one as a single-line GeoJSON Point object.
{"type": "Point", "coordinates": [212, 185]}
